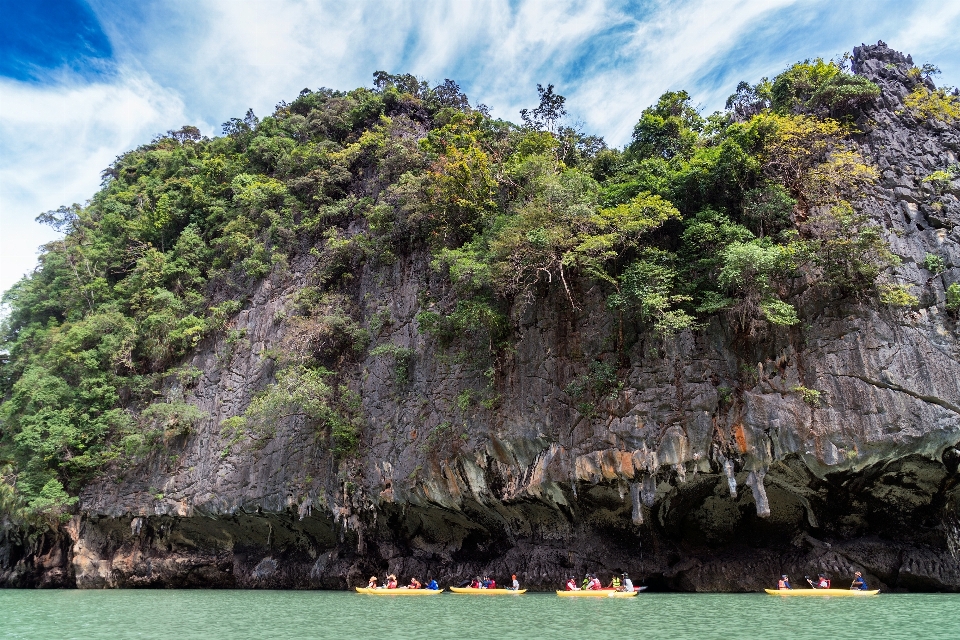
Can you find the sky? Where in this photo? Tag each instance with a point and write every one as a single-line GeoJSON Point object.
{"type": "Point", "coordinates": [83, 81]}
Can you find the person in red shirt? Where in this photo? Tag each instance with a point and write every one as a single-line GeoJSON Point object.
{"type": "Point", "coordinates": [414, 584]}
{"type": "Point", "coordinates": [391, 581]}
{"type": "Point", "coordinates": [595, 584]}
{"type": "Point", "coordinates": [572, 584]}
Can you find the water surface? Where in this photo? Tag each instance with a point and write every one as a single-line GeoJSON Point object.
{"type": "Point", "coordinates": [239, 615]}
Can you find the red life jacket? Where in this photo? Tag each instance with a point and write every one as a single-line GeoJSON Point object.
{"type": "Point", "coordinates": [571, 585]}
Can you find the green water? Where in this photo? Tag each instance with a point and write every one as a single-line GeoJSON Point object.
{"type": "Point", "coordinates": [238, 615]}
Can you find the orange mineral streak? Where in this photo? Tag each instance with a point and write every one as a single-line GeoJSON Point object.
{"type": "Point", "coordinates": [740, 437]}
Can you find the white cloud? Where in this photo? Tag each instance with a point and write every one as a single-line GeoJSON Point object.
{"type": "Point", "coordinates": [55, 140]}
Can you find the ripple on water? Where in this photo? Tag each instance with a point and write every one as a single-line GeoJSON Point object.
{"type": "Point", "coordinates": [238, 615]}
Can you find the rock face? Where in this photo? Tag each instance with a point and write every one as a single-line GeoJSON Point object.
{"type": "Point", "coordinates": [706, 471]}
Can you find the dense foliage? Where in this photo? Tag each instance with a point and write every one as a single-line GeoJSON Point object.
{"type": "Point", "coordinates": [731, 214]}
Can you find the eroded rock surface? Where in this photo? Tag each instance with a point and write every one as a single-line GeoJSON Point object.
{"type": "Point", "coordinates": [706, 471]}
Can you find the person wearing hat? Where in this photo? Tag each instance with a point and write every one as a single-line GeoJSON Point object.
{"type": "Point", "coordinates": [784, 583]}
{"type": "Point", "coordinates": [372, 584]}
{"type": "Point", "coordinates": [821, 583]}
{"type": "Point", "coordinates": [572, 584]}
{"type": "Point", "coordinates": [391, 581]}
{"type": "Point", "coordinates": [627, 583]}
{"type": "Point", "coordinates": [859, 584]}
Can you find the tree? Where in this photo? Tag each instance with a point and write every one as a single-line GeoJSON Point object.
{"type": "Point", "coordinates": [547, 115]}
{"type": "Point", "coordinates": [668, 129]}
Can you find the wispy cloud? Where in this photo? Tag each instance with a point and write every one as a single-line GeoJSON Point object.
{"type": "Point", "coordinates": [55, 140]}
{"type": "Point", "coordinates": [204, 61]}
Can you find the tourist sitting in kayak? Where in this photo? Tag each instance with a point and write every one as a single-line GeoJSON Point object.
{"type": "Point", "coordinates": [415, 584]}
{"type": "Point", "coordinates": [476, 583]}
{"type": "Point", "coordinates": [391, 581]}
{"type": "Point", "coordinates": [594, 584]}
{"type": "Point", "coordinates": [627, 583]}
{"type": "Point", "coordinates": [488, 583]}
{"type": "Point", "coordinates": [432, 585]}
{"type": "Point", "coordinates": [821, 582]}
{"type": "Point", "coordinates": [859, 584]}
{"type": "Point", "coordinates": [515, 585]}
{"type": "Point", "coordinates": [586, 581]}
{"type": "Point", "coordinates": [372, 584]}
{"type": "Point", "coordinates": [572, 584]}
{"type": "Point", "coordinates": [784, 583]}
{"type": "Point", "coordinates": [615, 584]}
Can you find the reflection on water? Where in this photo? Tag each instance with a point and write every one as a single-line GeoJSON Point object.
{"type": "Point", "coordinates": [238, 615]}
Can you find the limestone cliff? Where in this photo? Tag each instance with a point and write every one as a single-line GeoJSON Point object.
{"type": "Point", "coordinates": [706, 470]}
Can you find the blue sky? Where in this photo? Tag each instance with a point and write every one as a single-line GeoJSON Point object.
{"type": "Point", "coordinates": [83, 81]}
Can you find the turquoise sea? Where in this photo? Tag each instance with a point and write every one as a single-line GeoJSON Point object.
{"type": "Point", "coordinates": [239, 615]}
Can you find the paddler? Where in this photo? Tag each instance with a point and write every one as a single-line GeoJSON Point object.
{"type": "Point", "coordinates": [515, 585]}
{"type": "Point", "coordinates": [372, 584]}
{"type": "Point", "coordinates": [586, 581]}
{"type": "Point", "coordinates": [595, 584]}
{"type": "Point", "coordinates": [432, 585]}
{"type": "Point", "coordinates": [615, 584]}
{"type": "Point", "coordinates": [572, 584]}
{"type": "Point", "coordinates": [627, 583]}
{"type": "Point", "coordinates": [391, 581]}
{"type": "Point", "coordinates": [415, 584]}
{"type": "Point", "coordinates": [859, 584]}
{"type": "Point", "coordinates": [821, 583]}
{"type": "Point", "coordinates": [784, 583]}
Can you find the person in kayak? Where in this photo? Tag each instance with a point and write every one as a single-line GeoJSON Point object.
{"type": "Point", "coordinates": [488, 583]}
{"type": "Point", "coordinates": [432, 585]}
{"type": "Point", "coordinates": [391, 581]}
{"type": "Point", "coordinates": [572, 584]}
{"type": "Point", "coordinates": [615, 584]}
{"type": "Point", "coordinates": [859, 584]}
{"type": "Point", "coordinates": [595, 584]}
{"type": "Point", "coordinates": [476, 583]}
{"type": "Point", "coordinates": [586, 581]}
{"type": "Point", "coordinates": [821, 583]}
{"type": "Point", "coordinates": [415, 584]}
{"type": "Point", "coordinates": [372, 584]}
{"type": "Point", "coordinates": [784, 583]}
{"type": "Point", "coordinates": [627, 583]}
{"type": "Point", "coordinates": [514, 585]}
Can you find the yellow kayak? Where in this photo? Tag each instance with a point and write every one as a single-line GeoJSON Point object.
{"type": "Point", "coordinates": [822, 592]}
{"type": "Point", "coordinates": [596, 593]}
{"type": "Point", "coordinates": [487, 592]}
{"type": "Point", "coordinates": [400, 591]}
